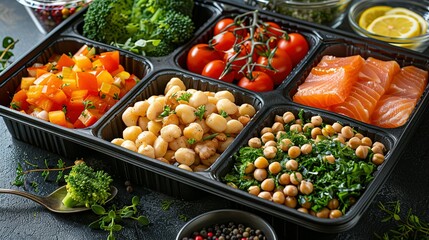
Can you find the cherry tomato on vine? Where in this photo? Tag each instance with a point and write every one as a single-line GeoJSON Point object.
{"type": "Point", "coordinates": [214, 70]}
{"type": "Point", "coordinates": [199, 56]}
{"type": "Point", "coordinates": [227, 24]}
{"type": "Point", "coordinates": [280, 61]}
{"type": "Point", "coordinates": [238, 60]}
{"type": "Point", "coordinates": [223, 41]}
{"type": "Point", "coordinates": [260, 82]}
{"type": "Point", "coordinates": [297, 47]}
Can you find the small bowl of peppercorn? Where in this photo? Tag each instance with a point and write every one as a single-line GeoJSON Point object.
{"type": "Point", "coordinates": [47, 14]}
{"type": "Point", "coordinates": [226, 224]}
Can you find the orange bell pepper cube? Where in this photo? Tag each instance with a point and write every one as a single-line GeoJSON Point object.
{"type": "Point", "coordinates": [104, 77]}
{"type": "Point", "coordinates": [82, 51]}
{"type": "Point", "coordinates": [57, 117]}
{"type": "Point", "coordinates": [88, 118]}
{"type": "Point", "coordinates": [26, 82]}
{"type": "Point", "coordinates": [64, 61]}
{"type": "Point", "coordinates": [43, 79]}
{"type": "Point", "coordinates": [19, 100]}
{"type": "Point", "coordinates": [68, 86]}
{"type": "Point", "coordinates": [58, 97]}
{"type": "Point", "coordinates": [110, 60]}
{"type": "Point", "coordinates": [35, 91]}
{"type": "Point", "coordinates": [83, 62]}
{"type": "Point", "coordinates": [44, 103]}
{"type": "Point", "coordinates": [87, 81]}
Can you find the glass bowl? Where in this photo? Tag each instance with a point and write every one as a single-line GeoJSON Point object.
{"type": "Point", "coordinates": [47, 14]}
{"type": "Point", "coordinates": [326, 12]}
{"type": "Point", "coordinates": [418, 43]}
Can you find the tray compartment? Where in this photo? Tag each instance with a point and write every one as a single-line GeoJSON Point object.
{"type": "Point", "coordinates": [42, 133]}
{"type": "Point", "coordinates": [349, 47]}
{"type": "Point", "coordinates": [278, 212]}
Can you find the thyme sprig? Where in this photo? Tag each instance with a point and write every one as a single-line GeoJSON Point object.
{"type": "Point", "coordinates": [6, 54]}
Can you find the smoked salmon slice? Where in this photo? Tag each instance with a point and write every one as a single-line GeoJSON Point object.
{"type": "Point", "coordinates": [393, 111]}
{"type": "Point", "coordinates": [330, 82]}
{"type": "Point", "coordinates": [374, 79]}
{"type": "Point", "coordinates": [409, 82]}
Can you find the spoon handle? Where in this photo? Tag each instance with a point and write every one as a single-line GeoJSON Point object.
{"type": "Point", "coordinates": [30, 196]}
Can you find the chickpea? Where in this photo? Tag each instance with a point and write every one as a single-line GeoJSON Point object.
{"type": "Point", "coordinates": [291, 165]}
{"type": "Point", "coordinates": [185, 156]}
{"type": "Point", "coordinates": [366, 141]}
{"type": "Point", "coordinates": [324, 213]}
{"type": "Point", "coordinates": [278, 119]}
{"type": "Point", "coordinates": [380, 145]}
{"type": "Point", "coordinates": [186, 113]}
{"type": "Point", "coordinates": [265, 195]}
{"type": "Point", "coordinates": [316, 132]}
{"type": "Point", "coordinates": [295, 128]}
{"type": "Point", "coordinates": [268, 136]}
{"type": "Point", "coordinates": [170, 119]}
{"type": "Point", "coordinates": [209, 161]}
{"type": "Point", "coordinates": [333, 204]}
{"type": "Point", "coordinates": [163, 160]}
{"type": "Point", "coordinates": [174, 82]}
{"type": "Point", "coordinates": [288, 117]}
{"type": "Point", "coordinates": [169, 155]}
{"type": "Point", "coordinates": [160, 146]}
{"type": "Point", "coordinates": [295, 178]}
{"type": "Point", "coordinates": [145, 137]}
{"type": "Point", "coordinates": [298, 121]}
{"type": "Point", "coordinates": [280, 134]}
{"type": "Point", "coordinates": [260, 174]}
{"type": "Point", "coordinates": [270, 152]}
{"type": "Point", "coordinates": [316, 121]}
{"type": "Point", "coordinates": [210, 108]}
{"type": "Point", "coordinates": [306, 148]}
{"type": "Point", "coordinates": [180, 142]}
{"type": "Point", "coordinates": [294, 152]}
{"type": "Point", "coordinates": [261, 162]}
{"type": "Point", "coordinates": [285, 144]}
{"type": "Point", "coordinates": [197, 99]}
{"type": "Point", "coordinates": [173, 93]}
{"type": "Point", "coordinates": [335, 213]}
{"type": "Point", "coordinates": [303, 210]}
{"type": "Point", "coordinates": [246, 109]}
{"type": "Point", "coordinates": [130, 145]}
{"type": "Point", "coordinates": [347, 132]}
{"type": "Point", "coordinates": [254, 190]}
{"type": "Point", "coordinates": [290, 190]}
{"type": "Point", "coordinates": [250, 167]}
{"type": "Point", "coordinates": [266, 130]}
{"type": "Point", "coordinates": [291, 202]}
{"type": "Point", "coordinates": [284, 179]}
{"type": "Point", "coordinates": [277, 127]}
{"type": "Point", "coordinates": [227, 106]}
{"type": "Point", "coordinates": [199, 168]}
{"type": "Point", "coordinates": [225, 95]}
{"type": "Point", "coordinates": [307, 127]}
{"type": "Point", "coordinates": [154, 127]}
{"type": "Point", "coordinates": [337, 127]}
{"type": "Point", "coordinates": [117, 141]}
{"type": "Point", "coordinates": [244, 120]}
{"type": "Point", "coordinates": [129, 118]}
{"type": "Point", "coordinates": [377, 149]}
{"type": "Point", "coordinates": [279, 197]}
{"type": "Point", "coordinates": [306, 203]}
{"type": "Point", "coordinates": [359, 135]}
{"type": "Point", "coordinates": [185, 167]}
{"type": "Point", "coordinates": [340, 139]}
{"type": "Point", "coordinates": [154, 110]}
{"type": "Point", "coordinates": [171, 132]}
{"type": "Point", "coordinates": [143, 122]}
{"type": "Point", "coordinates": [306, 187]}
{"type": "Point", "coordinates": [225, 144]}
{"type": "Point", "coordinates": [362, 152]}
{"type": "Point", "coordinates": [193, 131]}
{"type": "Point", "coordinates": [329, 158]}
{"type": "Point", "coordinates": [271, 143]}
{"type": "Point", "coordinates": [354, 142]}
{"type": "Point", "coordinates": [268, 184]}
{"type": "Point", "coordinates": [234, 126]}
{"type": "Point", "coordinates": [377, 159]}
{"type": "Point", "coordinates": [274, 168]}
{"type": "Point", "coordinates": [254, 142]}
{"type": "Point", "coordinates": [147, 150]}
{"type": "Point", "coordinates": [216, 122]}
{"type": "Point", "coordinates": [140, 108]}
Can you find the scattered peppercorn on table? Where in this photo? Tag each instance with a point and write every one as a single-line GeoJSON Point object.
{"type": "Point", "coordinates": [23, 219]}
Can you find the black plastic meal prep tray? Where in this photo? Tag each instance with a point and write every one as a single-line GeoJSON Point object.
{"type": "Point", "coordinates": [156, 72]}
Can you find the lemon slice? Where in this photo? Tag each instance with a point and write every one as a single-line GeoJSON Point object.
{"type": "Point", "coordinates": [403, 11]}
{"type": "Point", "coordinates": [370, 14]}
{"type": "Point", "coordinates": [395, 26]}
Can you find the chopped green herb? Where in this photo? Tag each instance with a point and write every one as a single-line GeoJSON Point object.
{"type": "Point", "coordinates": [200, 112]}
{"type": "Point", "coordinates": [184, 97]}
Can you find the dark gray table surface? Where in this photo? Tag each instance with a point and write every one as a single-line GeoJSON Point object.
{"type": "Point", "coordinates": [23, 219]}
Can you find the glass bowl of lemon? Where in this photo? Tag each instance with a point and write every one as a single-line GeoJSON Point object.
{"type": "Point", "coordinates": [400, 23]}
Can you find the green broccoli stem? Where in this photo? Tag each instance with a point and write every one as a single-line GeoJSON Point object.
{"type": "Point", "coordinates": [68, 201]}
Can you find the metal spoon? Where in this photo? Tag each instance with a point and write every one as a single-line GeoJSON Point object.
{"type": "Point", "coordinates": [53, 201]}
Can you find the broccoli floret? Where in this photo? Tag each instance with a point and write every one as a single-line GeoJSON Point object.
{"type": "Point", "coordinates": [86, 187]}
{"type": "Point", "coordinates": [183, 6]}
{"type": "Point", "coordinates": [104, 20]}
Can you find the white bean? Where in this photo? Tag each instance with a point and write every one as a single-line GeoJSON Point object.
{"type": "Point", "coordinates": [147, 150]}
{"type": "Point", "coordinates": [226, 105]}
{"type": "Point", "coordinates": [145, 137]}
{"type": "Point", "coordinates": [225, 95]}
{"type": "Point", "coordinates": [170, 132]}
{"type": "Point", "coordinates": [185, 156]}
{"type": "Point", "coordinates": [216, 122]}
{"type": "Point", "coordinates": [140, 108]}
{"type": "Point", "coordinates": [193, 131]}
{"type": "Point", "coordinates": [186, 113]}
{"type": "Point", "coordinates": [128, 144]}
{"type": "Point", "coordinates": [131, 133]}
{"type": "Point", "coordinates": [174, 82]}
{"type": "Point", "coordinates": [129, 118]}
{"type": "Point", "coordinates": [246, 109]}
{"type": "Point", "coordinates": [233, 126]}
{"type": "Point", "coordinates": [197, 99]}
{"type": "Point", "coordinates": [154, 110]}
{"type": "Point", "coordinates": [160, 146]}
